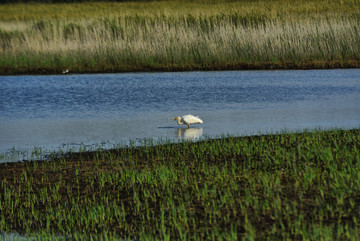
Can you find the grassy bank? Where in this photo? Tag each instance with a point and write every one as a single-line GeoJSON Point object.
{"type": "Point", "coordinates": [179, 35]}
{"type": "Point", "coordinates": [289, 186]}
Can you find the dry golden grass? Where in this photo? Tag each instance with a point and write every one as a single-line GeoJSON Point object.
{"type": "Point", "coordinates": [179, 35]}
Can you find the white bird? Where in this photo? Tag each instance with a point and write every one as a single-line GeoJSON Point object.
{"type": "Point", "coordinates": [188, 120]}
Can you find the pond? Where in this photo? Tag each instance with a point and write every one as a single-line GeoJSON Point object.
{"type": "Point", "coordinates": [51, 112]}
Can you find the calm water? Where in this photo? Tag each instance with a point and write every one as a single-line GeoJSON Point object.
{"type": "Point", "coordinates": [52, 111]}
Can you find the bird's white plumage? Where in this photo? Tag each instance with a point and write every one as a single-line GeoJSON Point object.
{"type": "Point", "coordinates": [188, 120]}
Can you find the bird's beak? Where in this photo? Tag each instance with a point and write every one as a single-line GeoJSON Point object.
{"type": "Point", "coordinates": [175, 118]}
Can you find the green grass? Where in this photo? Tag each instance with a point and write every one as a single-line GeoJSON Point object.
{"type": "Point", "coordinates": [179, 35]}
{"type": "Point", "coordinates": [303, 186]}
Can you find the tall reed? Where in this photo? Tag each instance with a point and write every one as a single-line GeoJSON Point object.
{"type": "Point", "coordinates": [206, 39]}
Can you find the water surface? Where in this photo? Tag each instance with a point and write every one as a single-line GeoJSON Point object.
{"type": "Point", "coordinates": [52, 111]}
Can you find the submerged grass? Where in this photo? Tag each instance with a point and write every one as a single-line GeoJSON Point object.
{"type": "Point", "coordinates": [179, 35]}
{"type": "Point", "coordinates": [286, 186]}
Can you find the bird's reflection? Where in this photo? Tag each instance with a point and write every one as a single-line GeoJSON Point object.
{"type": "Point", "coordinates": [189, 133]}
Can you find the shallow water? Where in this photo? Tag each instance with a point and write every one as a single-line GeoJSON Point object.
{"type": "Point", "coordinates": [68, 110]}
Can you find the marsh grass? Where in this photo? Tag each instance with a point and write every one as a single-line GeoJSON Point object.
{"type": "Point", "coordinates": [178, 35]}
{"type": "Point", "coordinates": [285, 186]}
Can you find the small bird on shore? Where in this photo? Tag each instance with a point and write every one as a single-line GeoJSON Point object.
{"type": "Point", "coordinates": [188, 120]}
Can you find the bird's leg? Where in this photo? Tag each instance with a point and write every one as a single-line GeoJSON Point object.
{"type": "Point", "coordinates": [188, 125]}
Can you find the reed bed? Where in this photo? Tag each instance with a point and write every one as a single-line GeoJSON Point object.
{"type": "Point", "coordinates": [178, 35]}
{"type": "Point", "coordinates": [285, 186]}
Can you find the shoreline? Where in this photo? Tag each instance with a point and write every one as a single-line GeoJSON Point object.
{"type": "Point", "coordinates": [91, 154]}
{"type": "Point", "coordinates": [230, 67]}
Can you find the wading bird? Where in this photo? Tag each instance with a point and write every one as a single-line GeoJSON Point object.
{"type": "Point", "coordinates": [188, 120]}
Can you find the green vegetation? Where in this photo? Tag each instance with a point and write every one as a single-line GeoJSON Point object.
{"type": "Point", "coordinates": [286, 186]}
{"type": "Point", "coordinates": [179, 35]}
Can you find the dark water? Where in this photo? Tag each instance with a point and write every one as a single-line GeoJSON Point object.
{"type": "Point", "coordinates": [49, 111]}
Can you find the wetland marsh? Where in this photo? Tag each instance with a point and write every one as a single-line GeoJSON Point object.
{"type": "Point", "coordinates": [275, 186]}
{"type": "Point", "coordinates": [125, 176]}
